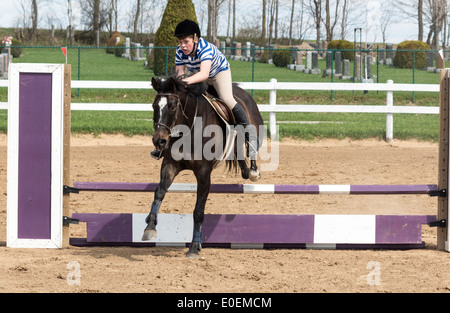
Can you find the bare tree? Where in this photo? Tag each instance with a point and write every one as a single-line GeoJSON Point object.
{"type": "Point", "coordinates": [234, 19]}
{"type": "Point", "coordinates": [271, 18]}
{"type": "Point", "coordinates": [70, 27]}
{"type": "Point", "coordinates": [414, 10]}
{"type": "Point", "coordinates": [385, 20]}
{"type": "Point", "coordinates": [329, 23]}
{"type": "Point", "coordinates": [34, 19]}
{"type": "Point", "coordinates": [276, 20]}
{"type": "Point", "coordinates": [94, 16]}
{"type": "Point", "coordinates": [213, 14]}
{"type": "Point", "coordinates": [437, 10]}
{"type": "Point", "coordinates": [113, 12]}
{"type": "Point", "coordinates": [263, 24]}
{"type": "Point", "coordinates": [315, 7]}
{"type": "Point", "coordinates": [291, 21]}
{"type": "Point", "coordinates": [351, 16]}
{"type": "Point", "coordinates": [29, 13]}
{"type": "Point", "coordinates": [229, 18]}
{"type": "Point", "coordinates": [420, 19]}
{"type": "Point", "coordinates": [344, 18]}
{"type": "Point", "coordinates": [136, 19]}
{"type": "Point", "coordinates": [303, 26]}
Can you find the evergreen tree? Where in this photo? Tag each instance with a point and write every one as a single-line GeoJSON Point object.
{"type": "Point", "coordinates": [164, 56]}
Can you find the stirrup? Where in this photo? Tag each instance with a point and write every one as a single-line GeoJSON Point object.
{"type": "Point", "coordinates": [156, 154]}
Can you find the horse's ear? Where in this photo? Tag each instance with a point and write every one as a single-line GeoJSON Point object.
{"type": "Point", "coordinates": [172, 84]}
{"type": "Point", "coordinates": [156, 83]}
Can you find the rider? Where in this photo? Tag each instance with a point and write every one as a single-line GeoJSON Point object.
{"type": "Point", "coordinates": [205, 63]}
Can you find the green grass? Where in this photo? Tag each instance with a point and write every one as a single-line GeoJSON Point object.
{"type": "Point", "coordinates": [95, 64]}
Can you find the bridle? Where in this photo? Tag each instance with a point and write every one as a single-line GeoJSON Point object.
{"type": "Point", "coordinates": [179, 109]}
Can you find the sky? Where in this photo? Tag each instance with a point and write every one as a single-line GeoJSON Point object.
{"type": "Point", "coordinates": [399, 30]}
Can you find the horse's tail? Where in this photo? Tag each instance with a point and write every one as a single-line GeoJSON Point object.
{"type": "Point", "coordinates": [232, 165]}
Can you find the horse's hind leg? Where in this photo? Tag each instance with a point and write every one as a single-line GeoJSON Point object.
{"type": "Point", "coordinates": [251, 173]}
{"type": "Point", "coordinates": [168, 173]}
{"type": "Point", "coordinates": [254, 171]}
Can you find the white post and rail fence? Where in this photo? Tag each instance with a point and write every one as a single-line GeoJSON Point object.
{"type": "Point", "coordinates": [273, 107]}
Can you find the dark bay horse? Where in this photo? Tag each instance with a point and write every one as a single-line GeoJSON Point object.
{"type": "Point", "coordinates": [180, 108]}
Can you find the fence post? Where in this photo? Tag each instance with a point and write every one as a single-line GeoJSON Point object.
{"type": "Point", "coordinates": [389, 116]}
{"type": "Point", "coordinates": [273, 115]}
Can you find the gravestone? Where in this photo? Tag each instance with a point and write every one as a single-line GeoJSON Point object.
{"type": "Point", "coordinates": [430, 62]}
{"type": "Point", "coordinates": [238, 50]}
{"type": "Point", "coordinates": [381, 56]}
{"type": "Point", "coordinates": [299, 61]}
{"type": "Point", "coordinates": [315, 63]}
{"type": "Point", "coordinates": [223, 46]}
{"type": "Point", "coordinates": [4, 63]}
{"type": "Point", "coordinates": [248, 50]}
{"type": "Point", "coordinates": [149, 53]}
{"type": "Point", "coordinates": [126, 54]}
{"type": "Point", "coordinates": [338, 63]}
{"type": "Point", "coordinates": [345, 69]}
{"type": "Point", "coordinates": [138, 54]}
{"type": "Point", "coordinates": [308, 61]}
{"type": "Point", "coordinates": [390, 53]}
{"type": "Point", "coordinates": [329, 63]}
{"type": "Point", "coordinates": [368, 64]}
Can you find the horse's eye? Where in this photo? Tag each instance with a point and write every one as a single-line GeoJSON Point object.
{"type": "Point", "coordinates": [173, 109]}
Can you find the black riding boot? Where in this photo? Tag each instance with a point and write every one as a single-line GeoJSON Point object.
{"type": "Point", "coordinates": [251, 137]}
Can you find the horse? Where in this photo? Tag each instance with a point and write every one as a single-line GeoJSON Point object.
{"type": "Point", "coordinates": [177, 108]}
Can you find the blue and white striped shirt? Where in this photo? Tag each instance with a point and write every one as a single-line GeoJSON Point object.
{"type": "Point", "coordinates": [205, 51]}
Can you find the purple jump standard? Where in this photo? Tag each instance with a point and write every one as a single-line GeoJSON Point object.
{"type": "Point", "coordinates": [35, 163]}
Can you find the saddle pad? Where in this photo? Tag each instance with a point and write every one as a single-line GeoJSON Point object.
{"type": "Point", "coordinates": [221, 109]}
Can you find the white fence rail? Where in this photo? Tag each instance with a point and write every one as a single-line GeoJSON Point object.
{"type": "Point", "coordinates": [389, 109]}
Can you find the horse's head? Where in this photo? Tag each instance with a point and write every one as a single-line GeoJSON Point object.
{"type": "Point", "coordinates": [166, 109]}
{"type": "Point", "coordinates": [169, 106]}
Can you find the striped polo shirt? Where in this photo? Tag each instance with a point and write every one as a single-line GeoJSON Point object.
{"type": "Point", "coordinates": [205, 51]}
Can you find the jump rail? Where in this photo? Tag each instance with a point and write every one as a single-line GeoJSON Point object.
{"type": "Point", "coordinates": [431, 190]}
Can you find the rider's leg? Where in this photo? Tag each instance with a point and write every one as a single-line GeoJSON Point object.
{"type": "Point", "coordinates": [223, 85]}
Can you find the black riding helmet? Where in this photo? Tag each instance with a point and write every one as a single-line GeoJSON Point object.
{"type": "Point", "coordinates": [186, 28]}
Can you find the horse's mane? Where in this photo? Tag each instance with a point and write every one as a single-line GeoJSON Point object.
{"type": "Point", "coordinates": [195, 90]}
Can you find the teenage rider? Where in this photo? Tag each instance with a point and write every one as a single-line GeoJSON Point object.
{"type": "Point", "coordinates": [205, 63]}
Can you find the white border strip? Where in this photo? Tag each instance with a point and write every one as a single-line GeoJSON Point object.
{"type": "Point", "coordinates": [251, 188]}
{"type": "Point", "coordinates": [57, 71]}
{"type": "Point", "coordinates": [344, 229]}
{"type": "Point", "coordinates": [335, 189]}
{"type": "Point", "coordinates": [182, 187]}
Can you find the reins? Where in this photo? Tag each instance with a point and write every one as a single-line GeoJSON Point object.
{"type": "Point", "coordinates": [179, 108]}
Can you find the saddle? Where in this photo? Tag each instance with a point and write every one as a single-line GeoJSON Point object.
{"type": "Point", "coordinates": [221, 108]}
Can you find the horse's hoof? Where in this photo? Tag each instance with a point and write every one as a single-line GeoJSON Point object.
{"type": "Point", "coordinates": [255, 175]}
{"type": "Point", "coordinates": [194, 248]}
{"type": "Point", "coordinates": [149, 235]}
{"type": "Point", "coordinates": [192, 255]}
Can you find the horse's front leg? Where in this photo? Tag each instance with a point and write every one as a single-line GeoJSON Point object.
{"type": "Point", "coordinates": [168, 173]}
{"type": "Point", "coordinates": [203, 185]}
